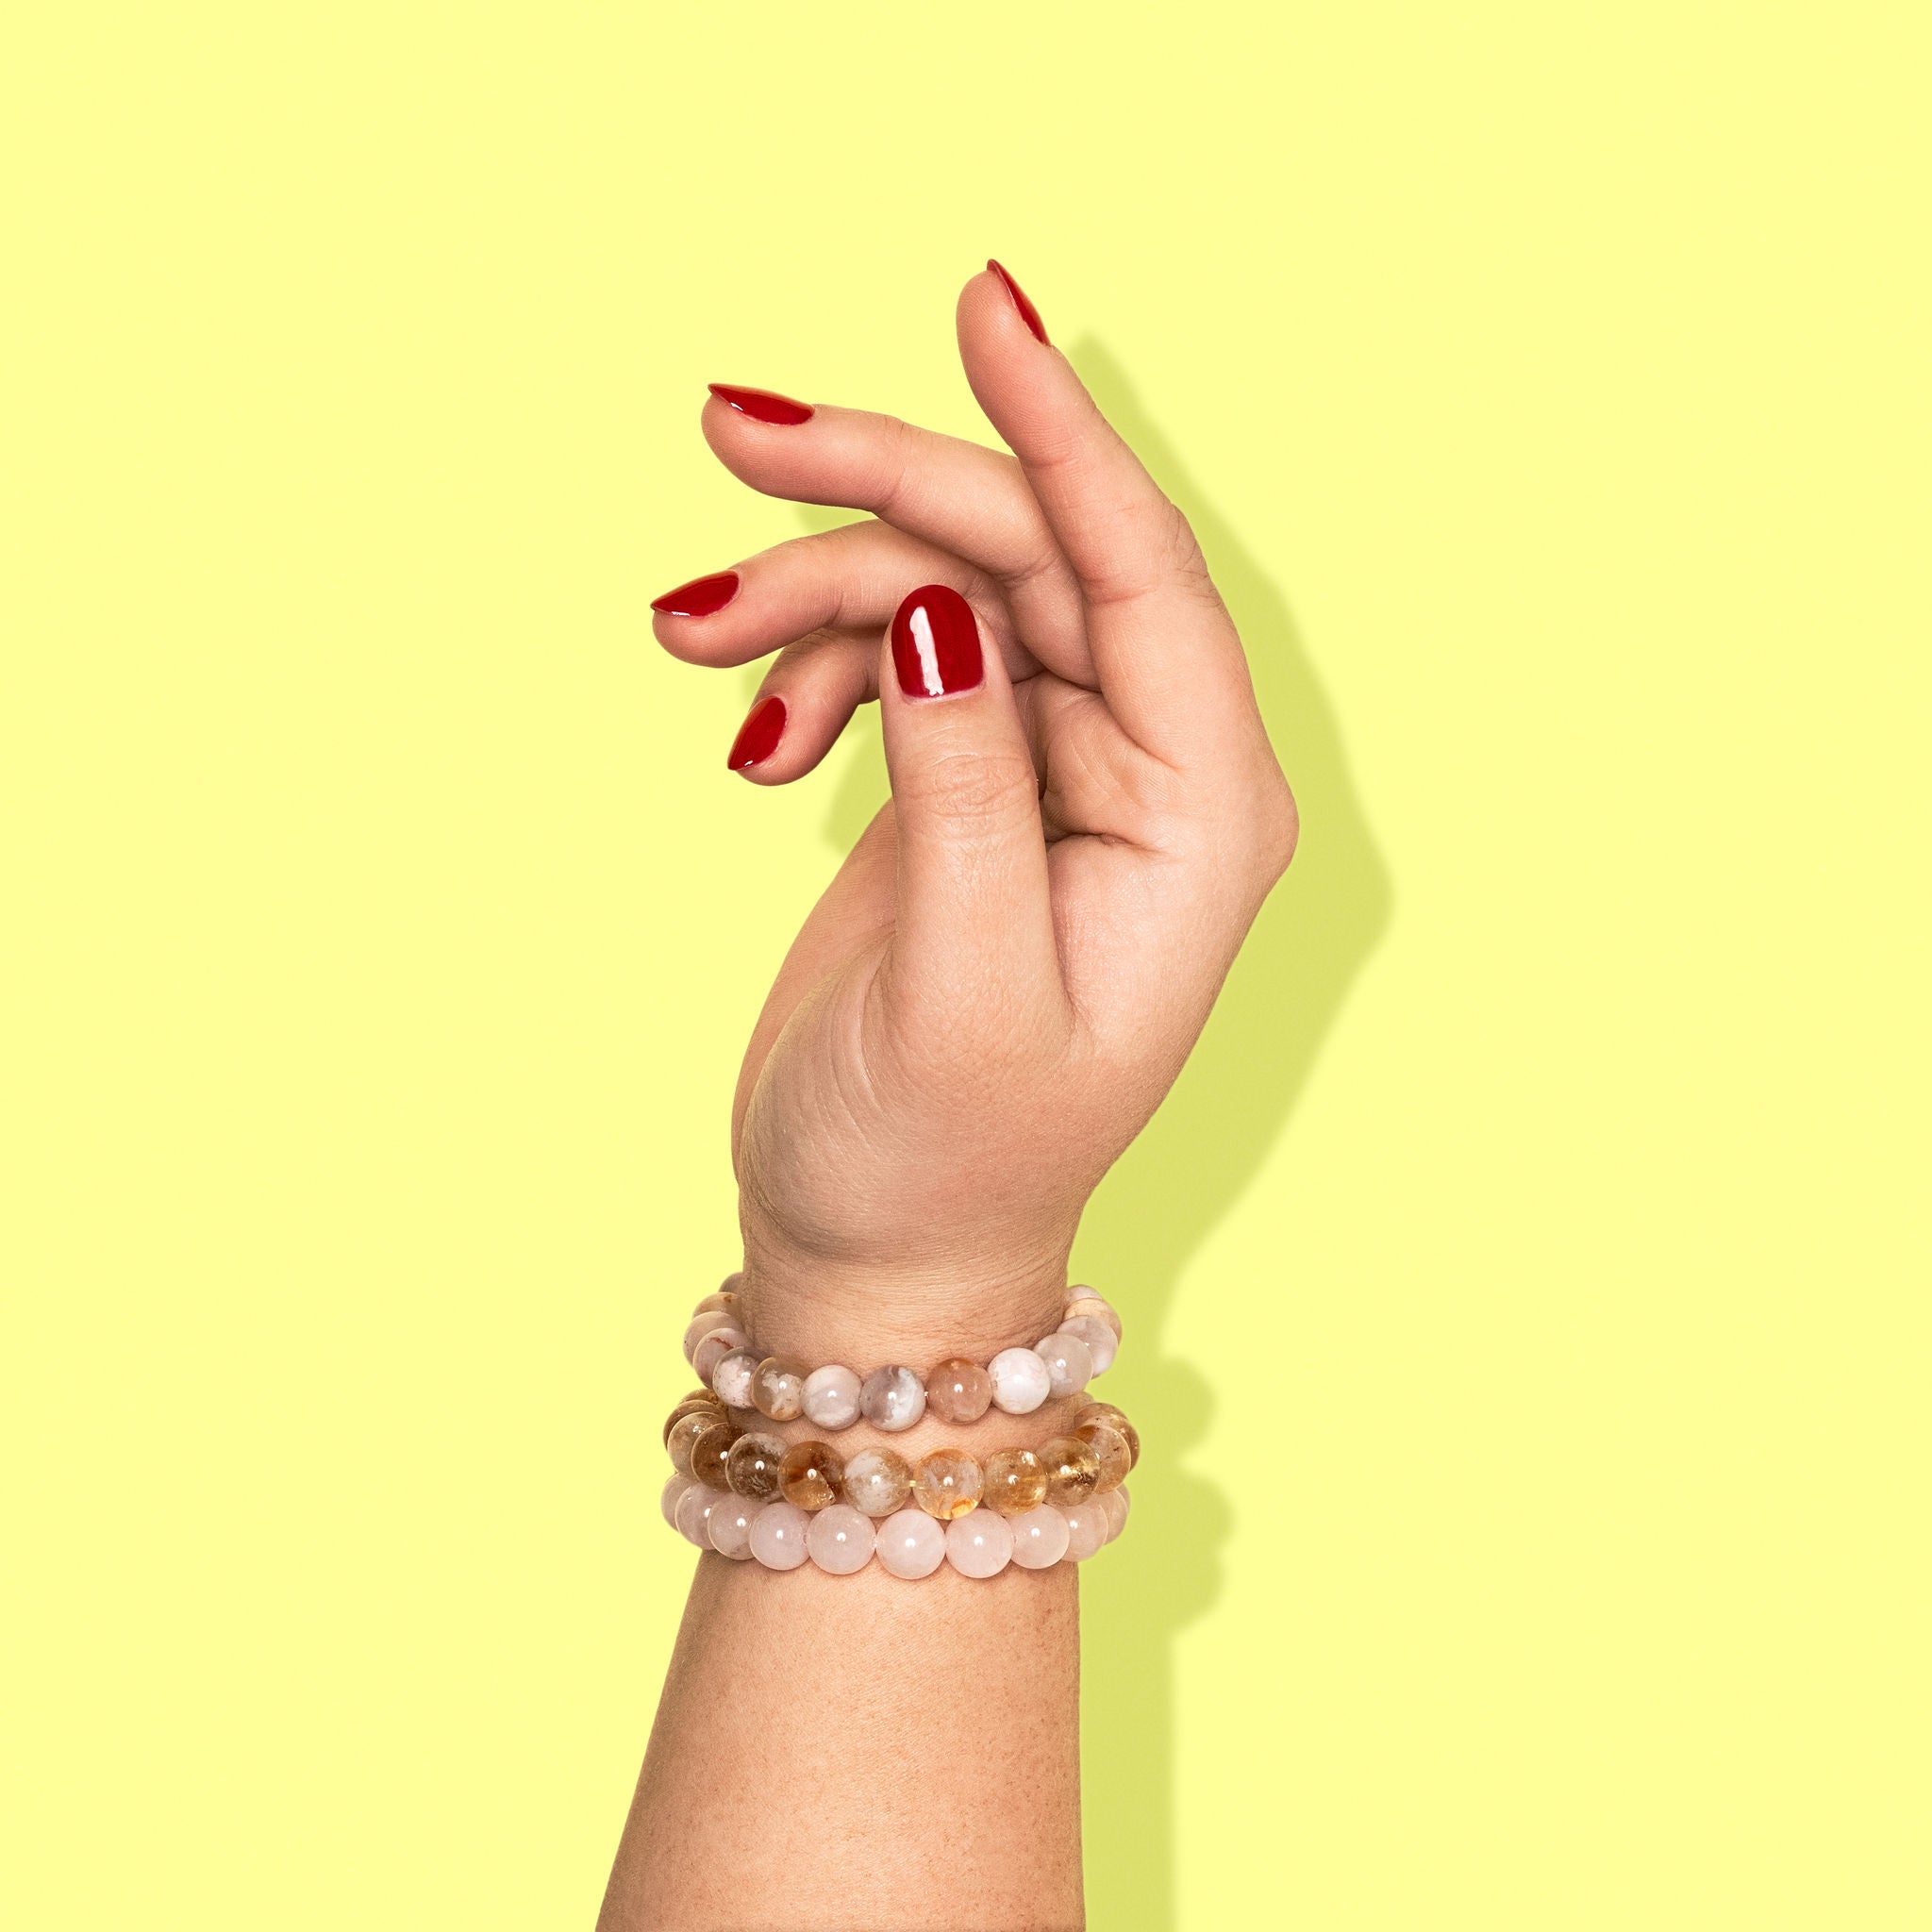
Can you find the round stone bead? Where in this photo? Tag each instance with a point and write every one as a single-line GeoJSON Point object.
{"type": "Point", "coordinates": [877, 1482]}
{"type": "Point", "coordinates": [1110, 1450]}
{"type": "Point", "coordinates": [1073, 1469]}
{"type": "Point", "coordinates": [711, 1323]}
{"type": "Point", "coordinates": [1039, 1537]}
{"type": "Point", "coordinates": [891, 1399]}
{"type": "Point", "coordinates": [1069, 1361]}
{"type": "Point", "coordinates": [1114, 1504]}
{"type": "Point", "coordinates": [730, 1528]}
{"type": "Point", "coordinates": [1086, 1528]}
{"type": "Point", "coordinates": [830, 1397]}
{"type": "Point", "coordinates": [695, 1514]}
{"type": "Point", "coordinates": [1015, 1481]}
{"type": "Point", "coordinates": [1021, 1381]}
{"type": "Point", "coordinates": [979, 1544]}
{"type": "Point", "coordinates": [1103, 1345]}
{"type": "Point", "coordinates": [1105, 1412]}
{"type": "Point", "coordinates": [810, 1475]}
{"type": "Point", "coordinates": [714, 1348]}
{"type": "Point", "coordinates": [910, 1545]}
{"type": "Point", "coordinates": [777, 1536]}
{"type": "Point", "coordinates": [778, 1389]}
{"type": "Point", "coordinates": [957, 1390]}
{"type": "Point", "coordinates": [722, 1299]}
{"type": "Point", "coordinates": [840, 1540]}
{"type": "Point", "coordinates": [732, 1377]}
{"type": "Point", "coordinates": [682, 1439]}
{"type": "Point", "coordinates": [668, 1502]}
{"type": "Point", "coordinates": [752, 1468]}
{"type": "Point", "coordinates": [708, 1454]}
{"type": "Point", "coordinates": [1083, 1300]}
{"type": "Point", "coordinates": [946, 1484]}
{"type": "Point", "coordinates": [704, 1400]}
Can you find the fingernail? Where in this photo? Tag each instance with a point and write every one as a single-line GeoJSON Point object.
{"type": "Point", "coordinates": [1028, 314]}
{"type": "Point", "coordinates": [936, 643]}
{"type": "Point", "coordinates": [699, 597]}
{"type": "Point", "coordinates": [762, 404]}
{"type": "Point", "coordinates": [758, 736]}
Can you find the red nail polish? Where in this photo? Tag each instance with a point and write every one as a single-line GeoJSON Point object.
{"type": "Point", "coordinates": [699, 597]}
{"type": "Point", "coordinates": [762, 404]}
{"type": "Point", "coordinates": [936, 643]}
{"type": "Point", "coordinates": [758, 736]}
{"type": "Point", "coordinates": [1028, 314]}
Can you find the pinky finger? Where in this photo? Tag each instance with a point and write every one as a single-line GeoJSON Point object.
{"type": "Point", "coordinates": [807, 699]}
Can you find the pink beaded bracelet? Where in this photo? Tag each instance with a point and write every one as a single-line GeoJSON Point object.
{"type": "Point", "coordinates": [1016, 1380]}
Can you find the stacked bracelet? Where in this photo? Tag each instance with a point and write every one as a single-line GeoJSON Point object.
{"type": "Point", "coordinates": [1016, 1380]}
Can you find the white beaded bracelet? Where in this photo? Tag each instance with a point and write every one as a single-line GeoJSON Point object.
{"type": "Point", "coordinates": [1016, 1380]}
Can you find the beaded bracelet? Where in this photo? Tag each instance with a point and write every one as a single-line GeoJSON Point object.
{"type": "Point", "coordinates": [1016, 1380]}
{"type": "Point", "coordinates": [909, 1544]}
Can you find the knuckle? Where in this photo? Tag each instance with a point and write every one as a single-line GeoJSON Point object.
{"type": "Point", "coordinates": [1280, 826]}
{"type": "Point", "coordinates": [977, 788]}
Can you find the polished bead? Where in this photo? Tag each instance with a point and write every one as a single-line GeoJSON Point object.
{"type": "Point", "coordinates": [777, 1536]}
{"type": "Point", "coordinates": [1073, 1469]}
{"type": "Point", "coordinates": [979, 1544]}
{"type": "Point", "coordinates": [830, 1397]}
{"type": "Point", "coordinates": [724, 1301]}
{"type": "Point", "coordinates": [730, 1528]}
{"type": "Point", "coordinates": [732, 1377]}
{"type": "Point", "coordinates": [714, 1348]}
{"type": "Point", "coordinates": [1039, 1537]}
{"type": "Point", "coordinates": [1069, 1361]}
{"type": "Point", "coordinates": [910, 1545]}
{"type": "Point", "coordinates": [695, 1514]}
{"type": "Point", "coordinates": [877, 1482]}
{"type": "Point", "coordinates": [840, 1540]}
{"type": "Point", "coordinates": [691, 1404]}
{"type": "Point", "coordinates": [1103, 1345]}
{"type": "Point", "coordinates": [1083, 1300]}
{"type": "Point", "coordinates": [891, 1399]}
{"type": "Point", "coordinates": [1020, 1380]}
{"type": "Point", "coordinates": [752, 1468]}
{"type": "Point", "coordinates": [778, 1389]}
{"type": "Point", "coordinates": [709, 1323]}
{"type": "Point", "coordinates": [810, 1475]}
{"type": "Point", "coordinates": [957, 1390]}
{"type": "Point", "coordinates": [1015, 1481]}
{"type": "Point", "coordinates": [1115, 1503]}
{"type": "Point", "coordinates": [709, 1452]}
{"type": "Point", "coordinates": [1086, 1529]}
{"type": "Point", "coordinates": [674, 1493]}
{"type": "Point", "coordinates": [946, 1484]}
{"type": "Point", "coordinates": [1110, 1450]}
{"type": "Point", "coordinates": [682, 1439]}
{"type": "Point", "coordinates": [1105, 1412]}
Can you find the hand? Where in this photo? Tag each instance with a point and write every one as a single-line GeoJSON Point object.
{"type": "Point", "coordinates": [1008, 971]}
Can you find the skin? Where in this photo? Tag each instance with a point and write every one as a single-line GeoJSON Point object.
{"type": "Point", "coordinates": [981, 1012]}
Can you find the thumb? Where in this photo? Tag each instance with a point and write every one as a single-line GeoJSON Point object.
{"type": "Point", "coordinates": [974, 933]}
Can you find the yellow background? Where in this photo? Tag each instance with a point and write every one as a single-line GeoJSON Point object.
{"type": "Point", "coordinates": [1526, 1283]}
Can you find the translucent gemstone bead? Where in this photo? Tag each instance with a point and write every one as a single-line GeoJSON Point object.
{"type": "Point", "coordinates": [723, 1298]}
{"type": "Point", "coordinates": [1039, 1537]}
{"type": "Point", "coordinates": [710, 1324]}
{"type": "Point", "coordinates": [1015, 1481]}
{"type": "Point", "coordinates": [752, 1468]}
{"type": "Point", "coordinates": [957, 1390]}
{"type": "Point", "coordinates": [810, 1475]}
{"type": "Point", "coordinates": [1110, 1449]}
{"type": "Point", "coordinates": [778, 1389]}
{"type": "Point", "coordinates": [830, 1397]}
{"type": "Point", "coordinates": [910, 1545]}
{"type": "Point", "coordinates": [979, 1544]}
{"type": "Point", "coordinates": [1086, 1529]}
{"type": "Point", "coordinates": [703, 1400]}
{"type": "Point", "coordinates": [1073, 1469]}
{"type": "Point", "coordinates": [732, 1377]}
{"type": "Point", "coordinates": [1069, 1361]}
{"type": "Point", "coordinates": [714, 1348]}
{"type": "Point", "coordinates": [682, 1439]}
{"type": "Point", "coordinates": [695, 1514]}
{"type": "Point", "coordinates": [877, 1482]}
{"type": "Point", "coordinates": [777, 1536]}
{"type": "Point", "coordinates": [1105, 1412]}
{"type": "Point", "coordinates": [840, 1540]}
{"type": "Point", "coordinates": [891, 1399]}
{"type": "Point", "coordinates": [668, 1502]}
{"type": "Point", "coordinates": [1103, 1345]}
{"type": "Point", "coordinates": [730, 1528]}
{"type": "Point", "coordinates": [707, 1454]}
{"type": "Point", "coordinates": [946, 1484]}
{"type": "Point", "coordinates": [1115, 1506]}
{"type": "Point", "coordinates": [1020, 1380]}
{"type": "Point", "coordinates": [1083, 1300]}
